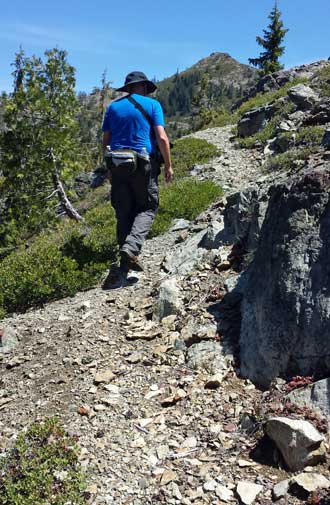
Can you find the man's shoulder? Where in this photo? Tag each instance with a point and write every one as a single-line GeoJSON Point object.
{"type": "Point", "coordinates": [117, 101]}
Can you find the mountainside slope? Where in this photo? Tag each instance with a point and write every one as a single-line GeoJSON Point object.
{"type": "Point", "coordinates": [149, 376]}
{"type": "Point", "coordinates": [228, 79]}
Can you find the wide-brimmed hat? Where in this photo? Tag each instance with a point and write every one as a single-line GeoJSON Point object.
{"type": "Point", "coordinates": [137, 76]}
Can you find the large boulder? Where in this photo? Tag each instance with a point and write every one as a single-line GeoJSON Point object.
{"type": "Point", "coordinates": [326, 139]}
{"type": "Point", "coordinates": [315, 396]}
{"type": "Point", "coordinates": [303, 96]}
{"type": "Point", "coordinates": [298, 441]}
{"type": "Point", "coordinates": [255, 120]}
{"type": "Point", "coordinates": [286, 306]}
{"type": "Point", "coordinates": [244, 215]}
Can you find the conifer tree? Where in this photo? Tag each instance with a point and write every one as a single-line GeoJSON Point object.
{"type": "Point", "coordinates": [39, 144]}
{"type": "Point", "coordinates": [268, 61]}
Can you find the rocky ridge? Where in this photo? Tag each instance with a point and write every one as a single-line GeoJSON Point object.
{"type": "Point", "coordinates": [149, 376]}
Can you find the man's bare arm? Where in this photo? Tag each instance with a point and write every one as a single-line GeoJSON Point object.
{"type": "Point", "coordinates": [164, 146]}
{"type": "Point", "coordinates": [106, 139]}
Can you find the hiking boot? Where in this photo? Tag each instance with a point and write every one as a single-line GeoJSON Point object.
{"type": "Point", "coordinates": [129, 261]}
{"type": "Point", "coordinates": [116, 278]}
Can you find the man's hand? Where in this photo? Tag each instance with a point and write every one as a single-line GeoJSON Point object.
{"type": "Point", "coordinates": [164, 146]}
{"type": "Point", "coordinates": [168, 174]}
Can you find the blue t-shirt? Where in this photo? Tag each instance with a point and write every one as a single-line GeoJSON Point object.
{"type": "Point", "coordinates": [129, 128]}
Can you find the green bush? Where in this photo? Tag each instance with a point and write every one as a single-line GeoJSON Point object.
{"type": "Point", "coordinates": [210, 118]}
{"type": "Point", "coordinates": [190, 151]}
{"type": "Point", "coordinates": [183, 199]}
{"type": "Point", "coordinates": [310, 136]}
{"type": "Point", "coordinates": [73, 256]}
{"type": "Point", "coordinates": [94, 241]}
{"type": "Point", "coordinates": [323, 78]}
{"type": "Point", "coordinates": [288, 160]}
{"type": "Point", "coordinates": [44, 275]}
{"type": "Point", "coordinates": [42, 468]}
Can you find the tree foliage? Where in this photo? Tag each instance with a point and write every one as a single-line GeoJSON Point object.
{"type": "Point", "coordinates": [268, 61]}
{"type": "Point", "coordinates": [39, 139]}
{"type": "Point", "coordinates": [90, 118]}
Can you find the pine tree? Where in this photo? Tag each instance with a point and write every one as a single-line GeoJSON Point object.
{"type": "Point", "coordinates": [39, 145]}
{"type": "Point", "coordinates": [268, 61]}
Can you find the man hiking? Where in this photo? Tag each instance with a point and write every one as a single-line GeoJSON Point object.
{"type": "Point", "coordinates": [133, 130]}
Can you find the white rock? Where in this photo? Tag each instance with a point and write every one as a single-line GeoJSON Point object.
{"type": "Point", "coordinates": [248, 491]}
{"type": "Point", "coordinates": [299, 442]}
{"type": "Point", "coordinates": [169, 301]}
{"type": "Point", "coordinates": [210, 485]}
{"type": "Point", "coordinates": [280, 489]}
{"type": "Point", "coordinates": [224, 493]}
{"type": "Point", "coordinates": [190, 442]}
{"type": "Point", "coordinates": [310, 481]}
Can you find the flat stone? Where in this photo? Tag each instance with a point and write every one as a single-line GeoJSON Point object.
{"type": "Point", "coordinates": [248, 491]}
{"type": "Point", "coordinates": [310, 482]}
{"type": "Point", "coordinates": [105, 377]}
{"type": "Point", "coordinates": [210, 485]}
{"type": "Point", "coordinates": [224, 494]}
{"type": "Point", "coordinates": [167, 477]}
{"type": "Point", "coordinates": [206, 355]}
{"type": "Point", "coordinates": [280, 489]}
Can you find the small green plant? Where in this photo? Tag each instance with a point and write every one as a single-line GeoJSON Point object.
{"type": "Point", "coordinates": [323, 78]}
{"type": "Point", "coordinates": [42, 468]}
{"type": "Point", "coordinates": [289, 160]}
{"type": "Point", "coordinates": [183, 199]}
{"type": "Point", "coordinates": [190, 151]}
{"type": "Point", "coordinates": [261, 137]}
{"type": "Point", "coordinates": [310, 136]}
{"type": "Point", "coordinates": [210, 118]}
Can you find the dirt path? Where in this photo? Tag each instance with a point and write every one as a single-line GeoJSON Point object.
{"type": "Point", "coordinates": [151, 431]}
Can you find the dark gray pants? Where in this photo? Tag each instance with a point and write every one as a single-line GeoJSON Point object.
{"type": "Point", "coordinates": [135, 198]}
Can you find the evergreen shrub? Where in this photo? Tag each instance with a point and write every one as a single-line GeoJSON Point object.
{"type": "Point", "coordinates": [310, 135]}
{"type": "Point", "coordinates": [38, 274]}
{"type": "Point", "coordinates": [288, 160]}
{"type": "Point", "coordinates": [42, 468]}
{"type": "Point", "coordinates": [73, 256]}
{"type": "Point", "coordinates": [183, 199]}
{"type": "Point", "coordinates": [323, 78]}
{"type": "Point", "coordinates": [190, 151]}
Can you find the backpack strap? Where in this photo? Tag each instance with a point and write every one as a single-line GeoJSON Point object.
{"type": "Point", "coordinates": [138, 106]}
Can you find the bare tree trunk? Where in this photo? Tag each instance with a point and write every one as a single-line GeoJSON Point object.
{"type": "Point", "coordinates": [70, 211]}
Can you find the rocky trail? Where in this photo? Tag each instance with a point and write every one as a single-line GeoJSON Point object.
{"type": "Point", "coordinates": [146, 376]}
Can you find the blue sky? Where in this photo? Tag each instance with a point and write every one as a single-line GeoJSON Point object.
{"type": "Point", "coordinates": [155, 37]}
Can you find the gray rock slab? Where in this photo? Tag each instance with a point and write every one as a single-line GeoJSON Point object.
{"type": "Point", "coordinates": [299, 442]}
{"type": "Point", "coordinates": [326, 139]}
{"type": "Point", "coordinates": [206, 355]}
{"type": "Point", "coordinates": [303, 96]}
{"type": "Point", "coordinates": [169, 300]}
{"type": "Point", "coordinates": [8, 340]}
{"type": "Point", "coordinates": [185, 257]}
{"type": "Point", "coordinates": [179, 224]}
{"type": "Point", "coordinates": [213, 236]}
{"type": "Point", "coordinates": [280, 489]}
{"type": "Point", "coordinates": [286, 305]}
{"type": "Point", "coordinates": [315, 396]}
